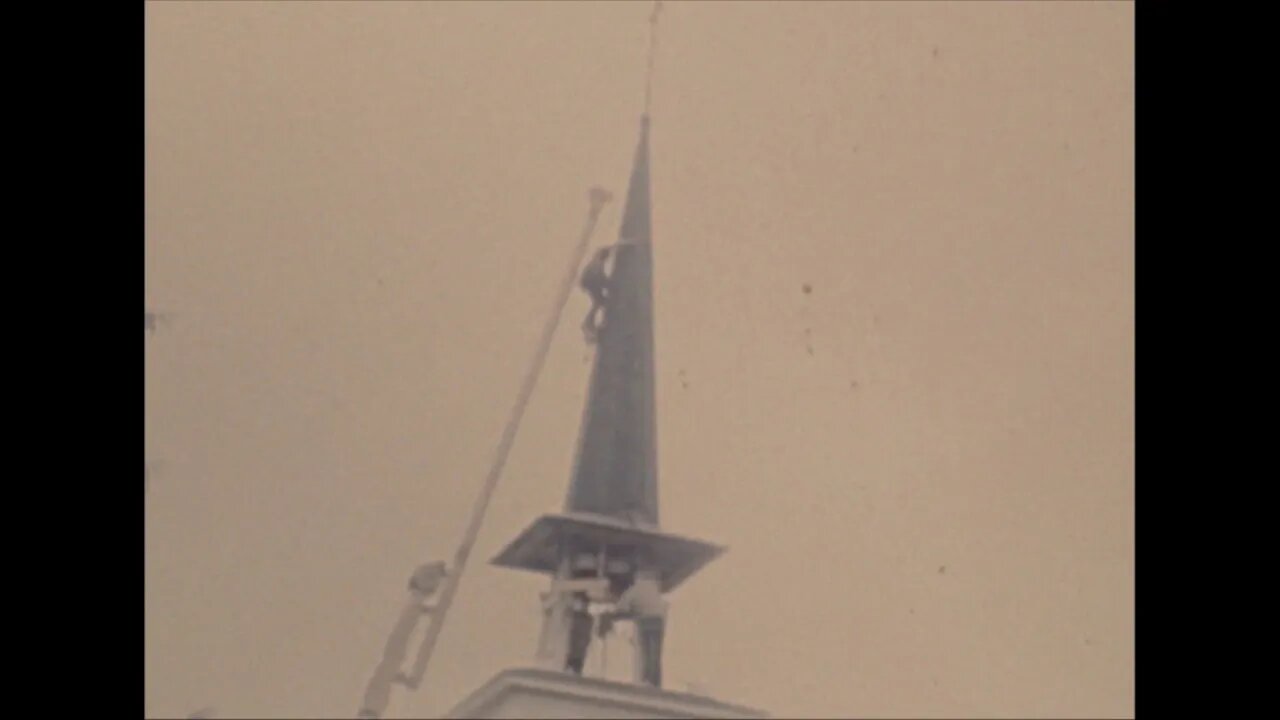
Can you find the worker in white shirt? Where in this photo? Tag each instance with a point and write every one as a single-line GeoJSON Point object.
{"type": "Point", "coordinates": [643, 603]}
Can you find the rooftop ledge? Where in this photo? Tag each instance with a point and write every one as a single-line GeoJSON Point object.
{"type": "Point", "coordinates": [537, 693]}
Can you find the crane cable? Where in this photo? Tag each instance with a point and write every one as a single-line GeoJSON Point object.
{"type": "Point", "coordinates": [598, 197]}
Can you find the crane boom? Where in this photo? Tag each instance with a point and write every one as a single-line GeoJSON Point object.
{"type": "Point", "coordinates": [378, 693]}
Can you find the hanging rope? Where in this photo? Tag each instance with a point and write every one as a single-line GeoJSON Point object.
{"type": "Point", "coordinates": [413, 680]}
{"type": "Point", "coordinates": [653, 52]}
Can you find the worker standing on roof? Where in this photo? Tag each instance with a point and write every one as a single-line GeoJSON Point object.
{"type": "Point", "coordinates": [643, 603]}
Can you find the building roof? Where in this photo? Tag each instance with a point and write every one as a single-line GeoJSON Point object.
{"type": "Point", "coordinates": [508, 694]}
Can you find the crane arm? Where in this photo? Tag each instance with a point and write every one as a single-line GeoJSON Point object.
{"type": "Point", "coordinates": [378, 694]}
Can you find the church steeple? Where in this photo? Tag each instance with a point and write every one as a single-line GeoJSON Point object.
{"type": "Point", "coordinates": [607, 558]}
{"type": "Point", "coordinates": [615, 472]}
{"type": "Point", "coordinates": [607, 537]}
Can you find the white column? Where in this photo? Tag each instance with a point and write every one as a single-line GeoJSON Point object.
{"type": "Point", "coordinates": [553, 642]}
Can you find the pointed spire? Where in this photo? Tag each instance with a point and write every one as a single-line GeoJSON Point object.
{"type": "Point", "coordinates": [615, 473]}
{"type": "Point", "coordinates": [636, 214]}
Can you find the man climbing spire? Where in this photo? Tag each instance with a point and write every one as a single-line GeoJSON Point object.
{"type": "Point", "coordinates": [595, 281]}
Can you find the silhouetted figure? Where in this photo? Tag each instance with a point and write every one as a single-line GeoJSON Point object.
{"type": "Point", "coordinates": [595, 280]}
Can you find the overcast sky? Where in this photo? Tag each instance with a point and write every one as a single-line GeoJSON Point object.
{"type": "Point", "coordinates": [358, 214]}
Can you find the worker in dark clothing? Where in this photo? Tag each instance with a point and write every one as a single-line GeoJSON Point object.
{"type": "Point", "coordinates": [595, 281]}
{"type": "Point", "coordinates": [580, 626]}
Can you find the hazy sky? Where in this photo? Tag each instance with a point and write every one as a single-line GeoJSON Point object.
{"type": "Point", "coordinates": [358, 213]}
